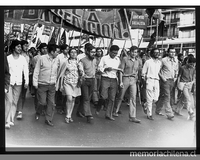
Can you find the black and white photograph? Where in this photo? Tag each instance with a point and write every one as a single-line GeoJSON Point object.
{"type": "Point", "coordinates": [100, 77]}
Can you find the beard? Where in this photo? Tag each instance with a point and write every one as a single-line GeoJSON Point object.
{"type": "Point", "coordinates": [90, 57]}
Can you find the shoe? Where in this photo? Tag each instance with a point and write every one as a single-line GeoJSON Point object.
{"type": "Point", "coordinates": [11, 123]}
{"type": "Point", "coordinates": [119, 112]}
{"type": "Point", "coordinates": [60, 112]}
{"type": "Point", "coordinates": [191, 116]}
{"type": "Point", "coordinates": [115, 114]}
{"type": "Point", "coordinates": [7, 126]}
{"type": "Point", "coordinates": [37, 117]}
{"type": "Point", "coordinates": [48, 122]}
{"type": "Point", "coordinates": [150, 118]}
{"type": "Point", "coordinates": [89, 119]}
{"type": "Point", "coordinates": [160, 114]}
{"type": "Point", "coordinates": [96, 112]}
{"type": "Point", "coordinates": [71, 120]}
{"type": "Point", "coordinates": [144, 108]}
{"type": "Point", "coordinates": [110, 118]}
{"type": "Point", "coordinates": [178, 114]}
{"type": "Point", "coordinates": [79, 114]}
{"type": "Point", "coordinates": [19, 115]}
{"type": "Point", "coordinates": [128, 104]}
{"type": "Point", "coordinates": [66, 120]}
{"type": "Point", "coordinates": [131, 119]}
{"type": "Point", "coordinates": [170, 117]}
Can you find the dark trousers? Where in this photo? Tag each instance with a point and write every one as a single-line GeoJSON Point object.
{"type": "Point", "coordinates": [87, 89]}
{"type": "Point", "coordinates": [165, 97]}
{"type": "Point", "coordinates": [46, 96]}
{"type": "Point", "coordinates": [108, 91]}
{"type": "Point", "coordinates": [60, 101]}
{"type": "Point", "coordinates": [22, 98]}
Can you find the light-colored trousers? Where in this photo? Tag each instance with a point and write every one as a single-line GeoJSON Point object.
{"type": "Point", "coordinates": [152, 93]}
{"type": "Point", "coordinates": [11, 99]}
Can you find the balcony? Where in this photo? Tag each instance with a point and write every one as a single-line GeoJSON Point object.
{"type": "Point", "coordinates": [186, 24]}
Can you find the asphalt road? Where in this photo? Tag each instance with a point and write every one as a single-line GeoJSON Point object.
{"type": "Point", "coordinates": [101, 133]}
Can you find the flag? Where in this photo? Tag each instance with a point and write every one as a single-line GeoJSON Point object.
{"type": "Point", "coordinates": [160, 33]}
{"type": "Point", "coordinates": [38, 43]}
{"type": "Point", "coordinates": [161, 28]}
{"type": "Point", "coordinates": [54, 37]}
{"type": "Point", "coordinates": [46, 31]}
{"type": "Point", "coordinates": [31, 31]}
{"type": "Point", "coordinates": [152, 40]}
{"type": "Point", "coordinates": [150, 12]}
{"type": "Point", "coordinates": [63, 39]}
{"type": "Point", "coordinates": [16, 28]}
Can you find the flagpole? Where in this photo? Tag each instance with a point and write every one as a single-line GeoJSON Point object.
{"type": "Point", "coordinates": [112, 39]}
{"type": "Point", "coordinates": [128, 24]}
{"type": "Point", "coordinates": [100, 42]}
{"type": "Point", "coordinates": [71, 38]}
{"type": "Point", "coordinates": [79, 43]}
{"type": "Point", "coordinates": [156, 32]}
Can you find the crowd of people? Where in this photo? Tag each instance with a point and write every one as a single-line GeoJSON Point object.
{"type": "Point", "coordinates": [60, 77]}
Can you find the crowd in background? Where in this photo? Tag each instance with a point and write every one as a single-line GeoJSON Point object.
{"type": "Point", "coordinates": [60, 77]}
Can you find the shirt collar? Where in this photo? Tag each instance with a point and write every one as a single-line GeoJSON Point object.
{"type": "Point", "coordinates": [136, 58]}
{"type": "Point", "coordinates": [112, 58]}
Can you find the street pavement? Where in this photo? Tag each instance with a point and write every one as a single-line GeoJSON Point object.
{"type": "Point", "coordinates": [102, 133]}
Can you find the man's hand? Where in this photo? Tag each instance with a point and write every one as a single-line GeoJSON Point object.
{"type": "Point", "coordinates": [6, 91]}
{"type": "Point", "coordinates": [108, 69]}
{"type": "Point", "coordinates": [36, 87]}
{"type": "Point", "coordinates": [121, 85]}
{"type": "Point", "coordinates": [26, 86]}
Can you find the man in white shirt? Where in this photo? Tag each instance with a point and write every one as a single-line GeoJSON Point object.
{"type": "Point", "coordinates": [150, 74]}
{"type": "Point", "coordinates": [17, 66]}
{"type": "Point", "coordinates": [108, 66]}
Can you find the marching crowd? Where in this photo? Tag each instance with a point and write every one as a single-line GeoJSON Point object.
{"type": "Point", "coordinates": [61, 76]}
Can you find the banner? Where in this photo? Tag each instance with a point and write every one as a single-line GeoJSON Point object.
{"type": "Point", "coordinates": [138, 21]}
{"type": "Point", "coordinates": [91, 22]}
{"type": "Point", "coordinates": [47, 30]}
{"type": "Point", "coordinates": [7, 27]}
{"type": "Point", "coordinates": [16, 28]}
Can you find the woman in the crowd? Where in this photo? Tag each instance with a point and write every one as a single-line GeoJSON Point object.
{"type": "Point", "coordinates": [69, 81]}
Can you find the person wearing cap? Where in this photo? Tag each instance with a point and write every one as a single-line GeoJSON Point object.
{"type": "Point", "coordinates": [17, 66]}
{"type": "Point", "coordinates": [22, 97]}
{"type": "Point", "coordinates": [62, 57]}
{"type": "Point", "coordinates": [44, 80]}
{"type": "Point", "coordinates": [168, 75]}
{"type": "Point", "coordinates": [108, 66]}
{"type": "Point", "coordinates": [185, 81]}
{"type": "Point", "coordinates": [131, 67]}
{"type": "Point", "coordinates": [87, 87]}
{"type": "Point", "coordinates": [42, 50]}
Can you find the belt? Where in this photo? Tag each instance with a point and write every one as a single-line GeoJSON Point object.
{"type": "Point", "coordinates": [89, 78]}
{"type": "Point", "coordinates": [171, 79]}
{"type": "Point", "coordinates": [107, 77]}
{"type": "Point", "coordinates": [130, 76]}
{"type": "Point", "coordinates": [153, 78]}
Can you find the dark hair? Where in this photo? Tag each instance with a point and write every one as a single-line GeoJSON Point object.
{"type": "Point", "coordinates": [98, 48]}
{"type": "Point", "coordinates": [63, 47]}
{"type": "Point", "coordinates": [42, 45]}
{"type": "Point", "coordinates": [23, 42]}
{"type": "Point", "coordinates": [114, 48]}
{"type": "Point", "coordinates": [152, 52]}
{"type": "Point", "coordinates": [14, 43]}
{"type": "Point", "coordinates": [191, 60]}
{"type": "Point", "coordinates": [170, 47]}
{"type": "Point", "coordinates": [89, 47]}
{"type": "Point", "coordinates": [133, 48]}
{"type": "Point", "coordinates": [52, 47]}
